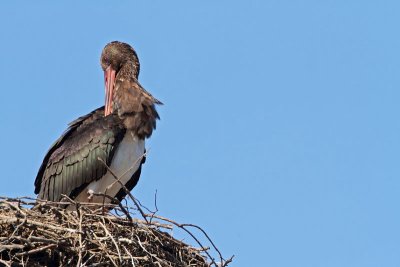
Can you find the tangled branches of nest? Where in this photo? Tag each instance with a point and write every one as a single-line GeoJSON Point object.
{"type": "Point", "coordinates": [40, 233]}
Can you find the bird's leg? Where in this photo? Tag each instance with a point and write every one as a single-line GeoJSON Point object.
{"type": "Point", "coordinates": [90, 193]}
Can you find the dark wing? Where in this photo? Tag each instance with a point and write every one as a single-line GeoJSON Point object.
{"type": "Point", "coordinates": [72, 162]}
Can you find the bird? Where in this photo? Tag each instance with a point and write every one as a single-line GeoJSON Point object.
{"type": "Point", "coordinates": [102, 152]}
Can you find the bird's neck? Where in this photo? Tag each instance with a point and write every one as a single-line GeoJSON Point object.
{"type": "Point", "coordinates": [129, 69]}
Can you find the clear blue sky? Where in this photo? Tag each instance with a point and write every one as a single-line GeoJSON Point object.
{"type": "Point", "coordinates": [280, 130]}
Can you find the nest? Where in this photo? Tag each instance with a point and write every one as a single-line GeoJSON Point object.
{"type": "Point", "coordinates": [40, 233]}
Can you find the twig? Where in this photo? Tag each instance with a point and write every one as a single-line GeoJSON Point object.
{"type": "Point", "coordinates": [183, 226]}
{"type": "Point", "coordinates": [5, 263]}
{"type": "Point", "coordinates": [33, 251]}
{"type": "Point", "coordinates": [8, 220]}
{"type": "Point", "coordinates": [125, 190]}
{"type": "Point", "coordinates": [112, 238]}
{"type": "Point", "coordinates": [80, 241]}
{"type": "Point", "coordinates": [87, 237]}
{"type": "Point", "coordinates": [114, 200]}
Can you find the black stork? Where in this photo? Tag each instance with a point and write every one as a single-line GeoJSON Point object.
{"type": "Point", "coordinates": [113, 135]}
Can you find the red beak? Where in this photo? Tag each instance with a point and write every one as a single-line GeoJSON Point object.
{"type": "Point", "coordinates": [109, 80]}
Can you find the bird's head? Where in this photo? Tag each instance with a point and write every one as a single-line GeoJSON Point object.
{"type": "Point", "coordinates": [116, 55]}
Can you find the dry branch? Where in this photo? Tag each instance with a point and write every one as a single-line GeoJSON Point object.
{"type": "Point", "coordinates": [42, 233]}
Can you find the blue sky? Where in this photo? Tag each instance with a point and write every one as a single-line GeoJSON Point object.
{"type": "Point", "coordinates": [280, 129]}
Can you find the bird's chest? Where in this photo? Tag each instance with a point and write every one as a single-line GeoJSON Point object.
{"type": "Point", "coordinates": [128, 154]}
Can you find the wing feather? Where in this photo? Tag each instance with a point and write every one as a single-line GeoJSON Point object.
{"type": "Point", "coordinates": [72, 162]}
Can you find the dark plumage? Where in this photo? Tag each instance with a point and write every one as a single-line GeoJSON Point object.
{"type": "Point", "coordinates": [71, 165]}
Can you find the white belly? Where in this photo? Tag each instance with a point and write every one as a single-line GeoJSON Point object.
{"type": "Point", "coordinates": [125, 163]}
